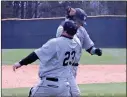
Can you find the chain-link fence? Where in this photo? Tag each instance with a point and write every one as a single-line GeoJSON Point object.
{"type": "Point", "coordinates": [46, 9]}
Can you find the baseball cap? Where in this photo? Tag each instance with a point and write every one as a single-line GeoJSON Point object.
{"type": "Point", "coordinates": [80, 15]}
{"type": "Point", "coordinates": [70, 27]}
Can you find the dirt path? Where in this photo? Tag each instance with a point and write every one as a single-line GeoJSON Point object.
{"type": "Point", "coordinates": [27, 76]}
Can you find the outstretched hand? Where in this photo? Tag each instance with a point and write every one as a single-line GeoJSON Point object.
{"type": "Point", "coordinates": [16, 66]}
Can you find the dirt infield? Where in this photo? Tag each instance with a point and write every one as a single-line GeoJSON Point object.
{"type": "Point", "coordinates": [27, 76]}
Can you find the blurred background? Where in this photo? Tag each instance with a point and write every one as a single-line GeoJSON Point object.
{"type": "Point", "coordinates": [21, 36]}
{"type": "Point", "coordinates": [46, 9]}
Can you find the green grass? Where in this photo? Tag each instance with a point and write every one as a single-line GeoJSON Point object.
{"type": "Point", "coordinates": [110, 56]}
{"type": "Point", "coordinates": [87, 90]}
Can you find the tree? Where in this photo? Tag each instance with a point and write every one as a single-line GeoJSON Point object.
{"type": "Point", "coordinates": [22, 9]}
{"type": "Point", "coordinates": [16, 9]}
{"type": "Point", "coordinates": [6, 9]}
{"type": "Point", "coordinates": [36, 8]}
{"type": "Point", "coordinates": [29, 9]}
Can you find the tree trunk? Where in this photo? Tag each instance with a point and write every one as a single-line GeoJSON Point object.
{"type": "Point", "coordinates": [22, 9]}
{"type": "Point", "coordinates": [16, 9]}
{"type": "Point", "coordinates": [36, 8]}
{"type": "Point", "coordinates": [29, 9]}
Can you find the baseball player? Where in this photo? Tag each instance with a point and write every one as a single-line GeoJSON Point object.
{"type": "Point", "coordinates": [79, 17]}
{"type": "Point", "coordinates": [57, 56]}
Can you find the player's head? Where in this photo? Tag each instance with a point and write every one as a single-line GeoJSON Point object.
{"type": "Point", "coordinates": [76, 14]}
{"type": "Point", "coordinates": [70, 12]}
{"type": "Point", "coordinates": [70, 28]}
{"type": "Point", "coordinates": [80, 16]}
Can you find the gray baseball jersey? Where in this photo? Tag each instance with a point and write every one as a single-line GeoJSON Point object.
{"type": "Point", "coordinates": [55, 54]}
{"type": "Point", "coordinates": [56, 59]}
{"type": "Point", "coordinates": [86, 43]}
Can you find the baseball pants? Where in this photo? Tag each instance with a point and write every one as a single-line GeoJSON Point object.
{"type": "Point", "coordinates": [74, 89]}
{"type": "Point", "coordinates": [51, 87]}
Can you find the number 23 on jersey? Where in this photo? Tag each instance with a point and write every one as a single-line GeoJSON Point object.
{"type": "Point", "coordinates": [69, 58]}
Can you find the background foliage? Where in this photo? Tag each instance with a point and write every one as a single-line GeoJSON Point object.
{"type": "Point", "coordinates": [45, 9]}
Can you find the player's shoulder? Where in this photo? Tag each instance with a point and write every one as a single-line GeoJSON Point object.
{"type": "Point", "coordinates": [55, 40]}
{"type": "Point", "coordinates": [81, 31]}
{"type": "Point", "coordinates": [81, 28]}
{"type": "Point", "coordinates": [76, 39]}
{"type": "Point", "coordinates": [52, 41]}
{"type": "Point", "coordinates": [58, 39]}
{"type": "Point", "coordinates": [60, 28]}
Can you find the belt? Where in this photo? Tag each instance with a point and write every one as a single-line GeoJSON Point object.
{"type": "Point", "coordinates": [75, 64]}
{"type": "Point", "coordinates": [52, 79]}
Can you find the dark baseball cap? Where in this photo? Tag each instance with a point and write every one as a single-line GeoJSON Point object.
{"type": "Point", "coordinates": [80, 15]}
{"type": "Point", "coordinates": [70, 27]}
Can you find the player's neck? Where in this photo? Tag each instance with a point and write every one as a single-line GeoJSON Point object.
{"type": "Point", "coordinates": [67, 36]}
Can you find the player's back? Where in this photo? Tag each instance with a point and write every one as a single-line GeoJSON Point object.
{"type": "Point", "coordinates": [68, 52]}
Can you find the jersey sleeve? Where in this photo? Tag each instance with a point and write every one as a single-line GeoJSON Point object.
{"type": "Point", "coordinates": [47, 51]}
{"type": "Point", "coordinates": [84, 38]}
{"type": "Point", "coordinates": [59, 31]}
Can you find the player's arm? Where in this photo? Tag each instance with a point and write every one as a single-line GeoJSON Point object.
{"type": "Point", "coordinates": [87, 43]}
{"type": "Point", "coordinates": [29, 59]}
{"type": "Point", "coordinates": [25, 61]}
{"type": "Point", "coordinates": [43, 54]}
{"type": "Point", "coordinates": [91, 48]}
{"type": "Point", "coordinates": [94, 51]}
{"type": "Point", "coordinates": [59, 31]}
